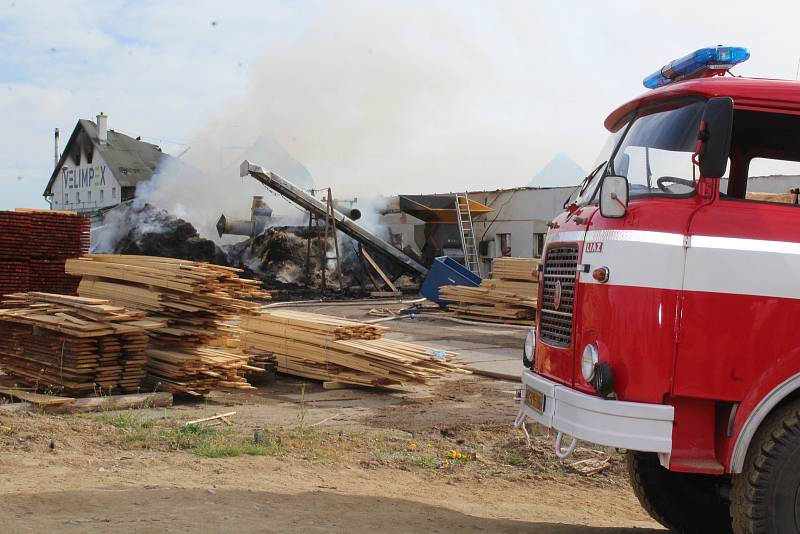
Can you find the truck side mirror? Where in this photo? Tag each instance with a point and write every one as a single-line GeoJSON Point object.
{"type": "Point", "coordinates": [614, 197]}
{"type": "Point", "coordinates": [716, 131]}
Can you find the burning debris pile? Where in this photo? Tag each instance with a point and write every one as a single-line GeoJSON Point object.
{"type": "Point", "coordinates": [280, 258]}
{"type": "Point", "coordinates": [144, 230]}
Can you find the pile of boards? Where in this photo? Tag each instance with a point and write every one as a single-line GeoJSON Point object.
{"type": "Point", "coordinates": [73, 345]}
{"type": "Point", "coordinates": [508, 297]}
{"type": "Point", "coordinates": [34, 245]}
{"type": "Point", "coordinates": [337, 350]}
{"type": "Point", "coordinates": [196, 349]}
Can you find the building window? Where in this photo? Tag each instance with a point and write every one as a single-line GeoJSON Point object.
{"type": "Point", "coordinates": [90, 197]}
{"type": "Point", "coordinates": [101, 195]}
{"type": "Point", "coordinates": [505, 244]}
{"type": "Point", "coordinates": [538, 245]}
{"type": "Point", "coordinates": [77, 197]}
{"type": "Point", "coordinates": [113, 192]}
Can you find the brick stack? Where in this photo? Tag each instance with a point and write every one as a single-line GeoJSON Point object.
{"type": "Point", "coordinates": [35, 244]}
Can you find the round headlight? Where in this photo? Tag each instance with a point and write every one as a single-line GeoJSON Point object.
{"type": "Point", "coordinates": [530, 349]}
{"type": "Point", "coordinates": [530, 344]}
{"type": "Point", "coordinates": [588, 360]}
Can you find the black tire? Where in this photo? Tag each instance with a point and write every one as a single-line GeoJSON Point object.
{"type": "Point", "coordinates": [766, 495]}
{"type": "Point", "coordinates": [682, 502]}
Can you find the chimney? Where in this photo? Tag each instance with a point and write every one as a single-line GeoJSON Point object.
{"type": "Point", "coordinates": [102, 128]}
{"type": "Point", "coordinates": [55, 153]}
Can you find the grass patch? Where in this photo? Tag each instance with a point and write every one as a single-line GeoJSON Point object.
{"type": "Point", "coordinates": [514, 459]}
{"type": "Point", "coordinates": [128, 420]}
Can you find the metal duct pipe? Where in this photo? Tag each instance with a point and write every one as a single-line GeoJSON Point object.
{"type": "Point", "coordinates": [227, 226]}
{"type": "Point", "coordinates": [260, 213]}
{"type": "Point", "coordinates": [346, 206]}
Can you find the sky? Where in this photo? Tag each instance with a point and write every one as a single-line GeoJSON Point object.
{"type": "Point", "coordinates": [382, 96]}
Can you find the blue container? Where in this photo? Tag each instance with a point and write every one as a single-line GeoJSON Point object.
{"type": "Point", "coordinates": [446, 271]}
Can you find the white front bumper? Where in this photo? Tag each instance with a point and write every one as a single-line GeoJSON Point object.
{"type": "Point", "coordinates": [627, 425]}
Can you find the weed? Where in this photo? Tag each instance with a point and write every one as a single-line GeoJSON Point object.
{"type": "Point", "coordinates": [514, 459]}
{"type": "Point", "coordinates": [427, 462]}
{"type": "Point", "coordinates": [128, 420]}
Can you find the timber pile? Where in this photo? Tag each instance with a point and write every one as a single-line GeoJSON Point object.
{"type": "Point", "coordinates": [337, 350]}
{"type": "Point", "coordinates": [34, 245]}
{"type": "Point", "coordinates": [197, 300]}
{"type": "Point", "coordinates": [73, 344]}
{"type": "Point", "coordinates": [199, 371]}
{"type": "Point", "coordinates": [509, 297]}
{"type": "Point", "coordinates": [196, 350]}
{"type": "Point", "coordinates": [783, 198]}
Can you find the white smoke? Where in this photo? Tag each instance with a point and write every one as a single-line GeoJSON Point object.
{"type": "Point", "coordinates": [372, 98]}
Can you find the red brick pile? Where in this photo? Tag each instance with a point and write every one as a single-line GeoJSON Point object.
{"type": "Point", "coordinates": [34, 245]}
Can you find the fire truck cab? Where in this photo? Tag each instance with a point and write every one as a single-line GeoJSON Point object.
{"type": "Point", "coordinates": [669, 302]}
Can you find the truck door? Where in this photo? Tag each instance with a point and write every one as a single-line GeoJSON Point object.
{"type": "Point", "coordinates": [740, 302]}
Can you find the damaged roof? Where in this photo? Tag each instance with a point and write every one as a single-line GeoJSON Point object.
{"type": "Point", "coordinates": [130, 161]}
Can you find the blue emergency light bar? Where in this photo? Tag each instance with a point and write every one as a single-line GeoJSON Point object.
{"type": "Point", "coordinates": [698, 64]}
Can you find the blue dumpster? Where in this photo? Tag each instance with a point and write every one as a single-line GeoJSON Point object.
{"type": "Point", "coordinates": [446, 271]}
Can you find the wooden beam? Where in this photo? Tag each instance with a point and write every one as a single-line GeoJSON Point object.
{"type": "Point", "coordinates": [379, 270]}
{"type": "Point", "coordinates": [98, 404]}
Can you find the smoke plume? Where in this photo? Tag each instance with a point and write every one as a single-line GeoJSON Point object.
{"type": "Point", "coordinates": [372, 98]}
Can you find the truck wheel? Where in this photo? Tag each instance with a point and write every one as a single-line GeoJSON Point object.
{"type": "Point", "coordinates": [766, 495]}
{"type": "Point", "coordinates": [683, 502]}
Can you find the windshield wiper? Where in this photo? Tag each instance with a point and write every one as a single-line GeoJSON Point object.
{"type": "Point", "coordinates": [581, 186]}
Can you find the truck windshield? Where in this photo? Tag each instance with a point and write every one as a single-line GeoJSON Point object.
{"type": "Point", "coordinates": [654, 152]}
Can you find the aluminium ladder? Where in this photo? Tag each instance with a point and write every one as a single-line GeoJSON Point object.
{"type": "Point", "coordinates": [467, 232]}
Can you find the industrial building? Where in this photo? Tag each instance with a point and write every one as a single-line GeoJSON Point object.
{"type": "Point", "coordinates": [506, 222]}
{"type": "Point", "coordinates": [99, 168]}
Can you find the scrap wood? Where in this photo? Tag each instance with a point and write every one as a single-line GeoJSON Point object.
{"type": "Point", "coordinates": [590, 466]}
{"type": "Point", "coordinates": [326, 420]}
{"type": "Point", "coordinates": [35, 398]}
{"type": "Point", "coordinates": [98, 404]}
{"type": "Point", "coordinates": [212, 418]}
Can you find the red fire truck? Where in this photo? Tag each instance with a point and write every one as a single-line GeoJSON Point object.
{"type": "Point", "coordinates": [669, 320]}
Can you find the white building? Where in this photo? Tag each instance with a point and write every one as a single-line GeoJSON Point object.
{"type": "Point", "coordinates": [100, 168]}
{"type": "Point", "coordinates": [512, 221]}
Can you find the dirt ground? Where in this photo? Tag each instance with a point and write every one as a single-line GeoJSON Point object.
{"type": "Point", "coordinates": [297, 458]}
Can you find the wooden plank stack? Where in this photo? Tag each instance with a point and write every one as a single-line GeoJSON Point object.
{"type": "Point", "coordinates": [197, 300]}
{"type": "Point", "coordinates": [509, 297]}
{"type": "Point", "coordinates": [34, 245]}
{"type": "Point", "coordinates": [198, 372]}
{"type": "Point", "coordinates": [328, 348]}
{"type": "Point", "coordinates": [196, 349]}
{"type": "Point", "coordinates": [72, 344]}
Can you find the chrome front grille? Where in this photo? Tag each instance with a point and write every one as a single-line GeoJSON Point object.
{"type": "Point", "coordinates": [558, 295]}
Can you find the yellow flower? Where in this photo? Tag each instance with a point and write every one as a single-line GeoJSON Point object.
{"type": "Point", "coordinates": [412, 446]}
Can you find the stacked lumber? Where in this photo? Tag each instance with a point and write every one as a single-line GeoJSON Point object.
{"type": "Point", "coordinates": [73, 344]}
{"type": "Point", "coordinates": [34, 245]}
{"type": "Point", "coordinates": [196, 300]}
{"type": "Point", "coordinates": [196, 350]}
{"type": "Point", "coordinates": [509, 297]}
{"type": "Point", "coordinates": [198, 372]}
{"type": "Point", "coordinates": [337, 350]}
{"type": "Point", "coordinates": [784, 198]}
